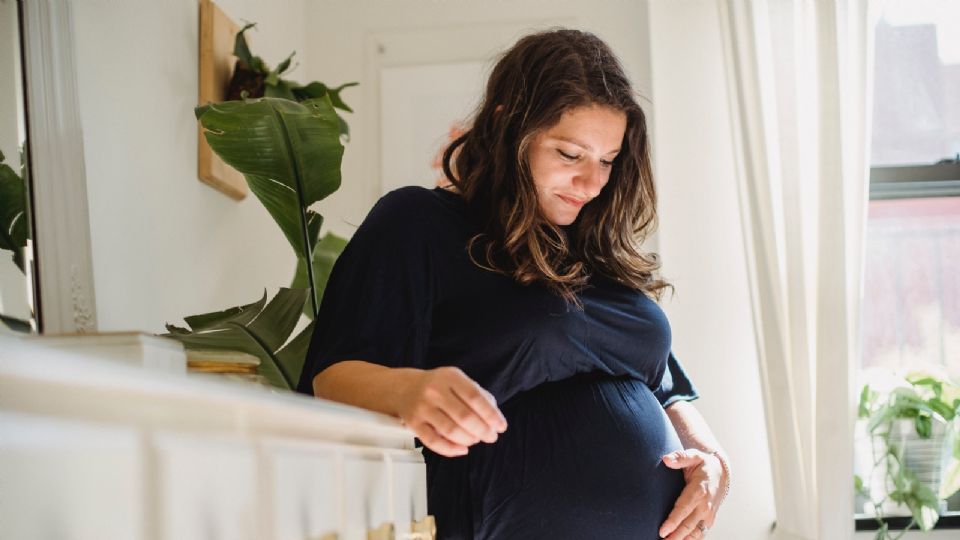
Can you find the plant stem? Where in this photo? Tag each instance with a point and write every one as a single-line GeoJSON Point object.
{"type": "Point", "coordinates": [307, 248]}
{"type": "Point", "coordinates": [287, 379]}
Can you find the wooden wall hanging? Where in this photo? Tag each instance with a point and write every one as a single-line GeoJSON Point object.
{"type": "Point", "coordinates": [217, 35]}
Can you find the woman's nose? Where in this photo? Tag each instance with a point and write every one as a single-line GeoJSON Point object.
{"type": "Point", "coordinates": [591, 178]}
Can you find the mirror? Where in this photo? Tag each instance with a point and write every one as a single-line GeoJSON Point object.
{"type": "Point", "coordinates": [16, 260]}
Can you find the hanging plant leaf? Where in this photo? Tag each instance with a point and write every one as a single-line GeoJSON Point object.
{"type": "Point", "coordinates": [863, 409]}
{"type": "Point", "coordinates": [951, 480]}
{"type": "Point", "coordinates": [922, 503]}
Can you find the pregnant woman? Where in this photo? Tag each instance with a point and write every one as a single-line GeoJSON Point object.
{"type": "Point", "coordinates": [510, 320]}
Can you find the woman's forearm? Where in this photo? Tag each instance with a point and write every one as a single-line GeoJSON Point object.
{"type": "Point", "coordinates": [363, 384]}
{"type": "Point", "coordinates": [694, 432]}
{"type": "Point", "coordinates": [691, 427]}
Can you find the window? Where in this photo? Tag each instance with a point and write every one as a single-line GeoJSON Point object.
{"type": "Point", "coordinates": [911, 303]}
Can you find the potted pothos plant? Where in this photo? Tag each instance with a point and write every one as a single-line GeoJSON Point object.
{"type": "Point", "coordinates": [289, 150]}
{"type": "Point", "coordinates": [913, 445]}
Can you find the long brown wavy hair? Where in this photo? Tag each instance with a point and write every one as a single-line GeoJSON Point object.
{"type": "Point", "coordinates": [532, 85]}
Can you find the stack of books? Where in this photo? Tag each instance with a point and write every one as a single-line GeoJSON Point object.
{"type": "Point", "coordinates": [232, 365]}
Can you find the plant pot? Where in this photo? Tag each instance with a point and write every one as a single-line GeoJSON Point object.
{"type": "Point", "coordinates": [927, 458]}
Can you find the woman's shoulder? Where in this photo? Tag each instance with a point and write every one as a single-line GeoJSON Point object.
{"type": "Point", "coordinates": [418, 206]}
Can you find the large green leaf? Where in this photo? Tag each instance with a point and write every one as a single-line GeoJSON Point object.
{"type": "Point", "coordinates": [281, 202]}
{"type": "Point", "coordinates": [317, 90]}
{"type": "Point", "coordinates": [275, 323]}
{"type": "Point", "coordinates": [279, 88]}
{"type": "Point", "coordinates": [218, 319]}
{"type": "Point", "coordinates": [923, 505]}
{"type": "Point", "coordinates": [325, 254]}
{"type": "Point", "coordinates": [257, 329]}
{"type": "Point", "coordinates": [293, 356]}
{"type": "Point", "coordinates": [294, 146]}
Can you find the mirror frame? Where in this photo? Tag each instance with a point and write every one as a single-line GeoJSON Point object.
{"type": "Point", "coordinates": [63, 262]}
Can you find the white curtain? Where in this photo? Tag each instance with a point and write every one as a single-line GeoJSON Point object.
{"type": "Point", "coordinates": [799, 78]}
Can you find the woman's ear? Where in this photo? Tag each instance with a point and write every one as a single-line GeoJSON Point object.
{"type": "Point", "coordinates": [497, 109]}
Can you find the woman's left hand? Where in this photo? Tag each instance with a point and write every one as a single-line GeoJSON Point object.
{"type": "Point", "coordinates": [700, 499]}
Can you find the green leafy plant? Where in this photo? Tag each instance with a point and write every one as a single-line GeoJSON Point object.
{"type": "Point", "coordinates": [260, 329]}
{"type": "Point", "coordinates": [923, 401]}
{"type": "Point", "coordinates": [289, 152]}
{"type": "Point", "coordinates": [14, 226]}
{"type": "Point", "coordinates": [252, 77]}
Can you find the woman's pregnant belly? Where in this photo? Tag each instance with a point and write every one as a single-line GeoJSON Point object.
{"type": "Point", "coordinates": [580, 459]}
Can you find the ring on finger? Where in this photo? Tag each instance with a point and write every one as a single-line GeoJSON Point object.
{"type": "Point", "coordinates": [702, 527]}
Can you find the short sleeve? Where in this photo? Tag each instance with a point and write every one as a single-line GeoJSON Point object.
{"type": "Point", "coordinates": [675, 384]}
{"type": "Point", "coordinates": [377, 305]}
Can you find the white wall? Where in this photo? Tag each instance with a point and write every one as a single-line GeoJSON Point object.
{"type": "Point", "coordinates": [351, 40]}
{"type": "Point", "coordinates": [166, 245]}
{"type": "Point", "coordinates": [702, 249]}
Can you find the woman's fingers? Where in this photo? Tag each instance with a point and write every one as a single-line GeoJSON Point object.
{"type": "Point", "coordinates": [446, 426]}
{"type": "Point", "coordinates": [458, 411]}
{"type": "Point", "coordinates": [467, 418]}
{"type": "Point", "coordinates": [481, 402]}
{"type": "Point", "coordinates": [710, 519]}
{"type": "Point", "coordinates": [687, 505]}
{"type": "Point", "coordinates": [681, 459]}
{"type": "Point", "coordinates": [696, 534]}
{"type": "Point", "coordinates": [688, 527]}
{"type": "Point", "coordinates": [697, 500]}
{"type": "Point", "coordinates": [433, 440]}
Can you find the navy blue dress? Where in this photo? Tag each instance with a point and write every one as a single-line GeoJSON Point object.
{"type": "Point", "coordinates": [583, 392]}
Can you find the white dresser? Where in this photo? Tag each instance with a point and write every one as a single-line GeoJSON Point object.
{"type": "Point", "coordinates": [94, 449]}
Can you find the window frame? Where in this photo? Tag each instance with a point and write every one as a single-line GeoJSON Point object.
{"type": "Point", "coordinates": [941, 179]}
{"type": "Point", "coordinates": [888, 182]}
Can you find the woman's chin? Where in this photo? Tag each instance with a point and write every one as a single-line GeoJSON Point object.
{"type": "Point", "coordinates": [562, 219]}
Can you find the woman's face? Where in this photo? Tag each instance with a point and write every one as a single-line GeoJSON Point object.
{"type": "Point", "coordinates": [571, 161]}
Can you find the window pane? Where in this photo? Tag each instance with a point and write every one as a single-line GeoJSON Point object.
{"type": "Point", "coordinates": [911, 304]}
{"type": "Point", "coordinates": [916, 112]}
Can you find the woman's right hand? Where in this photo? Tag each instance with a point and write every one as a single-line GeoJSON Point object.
{"type": "Point", "coordinates": [449, 411]}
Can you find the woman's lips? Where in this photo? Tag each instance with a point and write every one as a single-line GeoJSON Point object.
{"type": "Point", "coordinates": [573, 202]}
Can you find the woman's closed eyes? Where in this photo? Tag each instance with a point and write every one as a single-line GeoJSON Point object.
{"type": "Point", "coordinates": [573, 158]}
